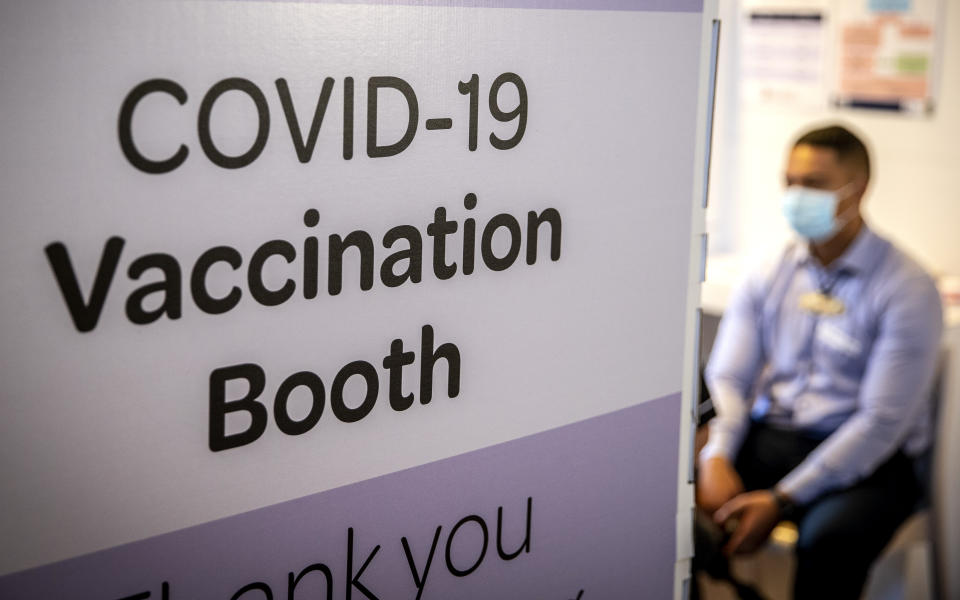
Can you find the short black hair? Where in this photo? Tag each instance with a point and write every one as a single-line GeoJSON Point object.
{"type": "Point", "coordinates": [850, 149]}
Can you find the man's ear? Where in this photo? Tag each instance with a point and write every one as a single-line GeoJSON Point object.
{"type": "Point", "coordinates": [862, 184]}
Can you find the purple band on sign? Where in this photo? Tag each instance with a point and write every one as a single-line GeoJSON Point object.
{"type": "Point", "coordinates": [631, 5]}
{"type": "Point", "coordinates": [582, 511]}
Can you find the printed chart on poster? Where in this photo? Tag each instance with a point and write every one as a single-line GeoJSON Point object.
{"type": "Point", "coordinates": [365, 300]}
{"type": "Point", "coordinates": [818, 54]}
{"type": "Point", "coordinates": [784, 55]}
{"type": "Point", "coordinates": [888, 53]}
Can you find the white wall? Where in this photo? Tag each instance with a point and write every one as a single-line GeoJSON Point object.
{"type": "Point", "coordinates": [914, 197]}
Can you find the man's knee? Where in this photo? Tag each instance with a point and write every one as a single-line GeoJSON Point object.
{"type": "Point", "coordinates": [830, 561]}
{"type": "Point", "coordinates": [839, 532]}
{"type": "Point", "coordinates": [820, 539]}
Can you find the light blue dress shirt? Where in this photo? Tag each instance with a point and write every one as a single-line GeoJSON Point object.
{"type": "Point", "coordinates": [860, 378]}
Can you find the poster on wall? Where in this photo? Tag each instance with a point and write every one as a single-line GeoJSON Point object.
{"type": "Point", "coordinates": [888, 54]}
{"type": "Point", "coordinates": [784, 54]}
{"type": "Point", "coordinates": [355, 301]}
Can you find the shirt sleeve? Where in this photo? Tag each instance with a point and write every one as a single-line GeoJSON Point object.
{"type": "Point", "coordinates": [735, 363]}
{"type": "Point", "coordinates": [896, 384]}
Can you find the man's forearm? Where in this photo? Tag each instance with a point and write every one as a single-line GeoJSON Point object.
{"type": "Point", "coordinates": [729, 427]}
{"type": "Point", "coordinates": [851, 453]}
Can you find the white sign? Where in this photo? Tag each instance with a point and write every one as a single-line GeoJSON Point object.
{"type": "Point", "coordinates": [256, 253]}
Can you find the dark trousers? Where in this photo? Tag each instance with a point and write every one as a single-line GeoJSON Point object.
{"type": "Point", "coordinates": [843, 531]}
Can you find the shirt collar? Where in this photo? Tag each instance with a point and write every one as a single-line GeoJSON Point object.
{"type": "Point", "coordinates": [858, 257]}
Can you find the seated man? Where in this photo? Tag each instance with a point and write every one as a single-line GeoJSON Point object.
{"type": "Point", "coordinates": [820, 376]}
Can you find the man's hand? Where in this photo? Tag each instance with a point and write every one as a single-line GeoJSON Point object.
{"type": "Point", "coordinates": [756, 513]}
{"type": "Point", "coordinates": [717, 484]}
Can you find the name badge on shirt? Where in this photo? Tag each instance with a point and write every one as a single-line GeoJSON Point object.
{"type": "Point", "coordinates": [821, 304]}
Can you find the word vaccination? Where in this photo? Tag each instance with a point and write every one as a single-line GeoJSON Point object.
{"type": "Point", "coordinates": [446, 247]}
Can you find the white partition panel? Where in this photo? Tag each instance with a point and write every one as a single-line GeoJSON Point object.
{"type": "Point", "coordinates": [347, 300]}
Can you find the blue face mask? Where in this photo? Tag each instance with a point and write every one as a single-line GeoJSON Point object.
{"type": "Point", "coordinates": [812, 213]}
